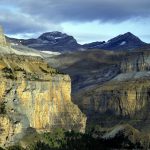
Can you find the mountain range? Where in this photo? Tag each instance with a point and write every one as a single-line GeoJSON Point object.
{"type": "Point", "coordinates": [62, 42]}
{"type": "Point", "coordinates": [109, 96]}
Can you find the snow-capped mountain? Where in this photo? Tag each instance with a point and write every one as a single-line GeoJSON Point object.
{"type": "Point", "coordinates": [61, 42]}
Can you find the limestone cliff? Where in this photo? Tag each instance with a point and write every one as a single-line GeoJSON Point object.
{"type": "Point", "coordinates": [34, 95]}
{"type": "Point", "coordinates": [135, 61]}
{"type": "Point", "coordinates": [123, 99]}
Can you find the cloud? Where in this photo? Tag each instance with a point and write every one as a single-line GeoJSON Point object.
{"type": "Point", "coordinates": [85, 10]}
{"type": "Point", "coordinates": [18, 22]}
{"type": "Point", "coordinates": [32, 16]}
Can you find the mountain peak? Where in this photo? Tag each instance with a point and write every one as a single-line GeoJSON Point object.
{"type": "Point", "coordinates": [53, 35]}
{"type": "Point", "coordinates": [54, 41]}
{"type": "Point", "coordinates": [129, 34]}
{"type": "Point", "coordinates": [126, 36]}
{"type": "Point", "coordinates": [126, 41]}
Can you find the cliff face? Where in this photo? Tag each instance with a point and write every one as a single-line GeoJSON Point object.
{"type": "Point", "coordinates": [129, 100]}
{"type": "Point", "coordinates": [135, 62]}
{"type": "Point", "coordinates": [123, 99]}
{"type": "Point", "coordinates": [34, 95]}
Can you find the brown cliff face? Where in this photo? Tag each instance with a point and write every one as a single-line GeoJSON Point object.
{"type": "Point", "coordinates": [129, 100]}
{"type": "Point", "coordinates": [135, 61]}
{"type": "Point", "coordinates": [34, 95]}
{"type": "Point", "coordinates": [123, 99]}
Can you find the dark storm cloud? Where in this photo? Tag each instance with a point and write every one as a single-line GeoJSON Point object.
{"type": "Point", "coordinates": [86, 10]}
{"type": "Point", "coordinates": [41, 15]}
{"type": "Point", "coordinates": [16, 23]}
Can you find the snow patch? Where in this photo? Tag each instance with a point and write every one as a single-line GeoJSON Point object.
{"type": "Point", "coordinates": [57, 38]}
{"type": "Point", "coordinates": [123, 43]}
{"type": "Point", "coordinates": [51, 53]}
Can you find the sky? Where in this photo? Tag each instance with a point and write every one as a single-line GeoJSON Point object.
{"type": "Point", "coordinates": [86, 20]}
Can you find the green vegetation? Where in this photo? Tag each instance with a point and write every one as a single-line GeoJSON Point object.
{"type": "Point", "coordinates": [39, 146]}
{"type": "Point", "coordinates": [65, 140]}
{"type": "Point", "coordinates": [16, 147]}
{"type": "Point", "coordinates": [55, 139]}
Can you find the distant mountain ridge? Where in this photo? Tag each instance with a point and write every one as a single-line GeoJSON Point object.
{"type": "Point", "coordinates": [126, 41]}
{"type": "Point", "coordinates": [55, 41]}
{"type": "Point", "coordinates": [61, 42]}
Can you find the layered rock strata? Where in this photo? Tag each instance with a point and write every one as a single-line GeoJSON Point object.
{"type": "Point", "coordinates": [123, 99]}
{"type": "Point", "coordinates": [34, 95]}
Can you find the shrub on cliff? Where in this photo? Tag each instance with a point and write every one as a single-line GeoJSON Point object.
{"type": "Point", "coordinates": [70, 140]}
{"type": "Point", "coordinates": [15, 147]}
{"type": "Point", "coordinates": [39, 146]}
{"type": "Point", "coordinates": [55, 139]}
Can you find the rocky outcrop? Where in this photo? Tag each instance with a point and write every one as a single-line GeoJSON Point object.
{"type": "Point", "coordinates": [135, 62]}
{"type": "Point", "coordinates": [127, 100]}
{"type": "Point", "coordinates": [2, 38]}
{"type": "Point", "coordinates": [34, 95]}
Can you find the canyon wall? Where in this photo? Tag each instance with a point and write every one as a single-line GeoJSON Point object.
{"type": "Point", "coordinates": [123, 99]}
{"type": "Point", "coordinates": [34, 95]}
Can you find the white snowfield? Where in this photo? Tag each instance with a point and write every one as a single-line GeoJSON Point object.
{"type": "Point", "coordinates": [123, 43]}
